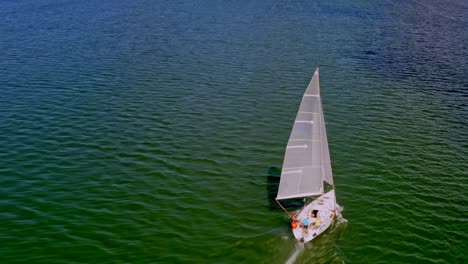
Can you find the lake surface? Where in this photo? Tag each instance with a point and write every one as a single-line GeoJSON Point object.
{"type": "Point", "coordinates": [154, 131]}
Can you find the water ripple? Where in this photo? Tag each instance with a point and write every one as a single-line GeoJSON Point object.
{"type": "Point", "coordinates": [141, 132]}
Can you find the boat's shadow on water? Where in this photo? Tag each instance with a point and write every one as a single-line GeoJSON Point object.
{"type": "Point", "coordinates": [273, 181]}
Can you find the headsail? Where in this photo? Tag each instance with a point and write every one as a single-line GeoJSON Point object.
{"type": "Point", "coordinates": [307, 160]}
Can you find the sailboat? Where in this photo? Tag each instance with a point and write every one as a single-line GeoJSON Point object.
{"type": "Point", "coordinates": [306, 171]}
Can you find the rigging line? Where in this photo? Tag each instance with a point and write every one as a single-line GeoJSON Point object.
{"type": "Point", "coordinates": [274, 6]}
{"type": "Point", "coordinates": [427, 7]}
{"type": "Point", "coordinates": [435, 10]}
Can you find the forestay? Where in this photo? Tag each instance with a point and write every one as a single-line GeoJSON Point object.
{"type": "Point", "coordinates": [307, 160]}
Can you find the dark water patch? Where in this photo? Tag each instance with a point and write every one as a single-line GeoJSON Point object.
{"type": "Point", "coordinates": [143, 132]}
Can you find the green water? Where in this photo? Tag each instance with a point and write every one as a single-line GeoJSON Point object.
{"type": "Point", "coordinates": [153, 132]}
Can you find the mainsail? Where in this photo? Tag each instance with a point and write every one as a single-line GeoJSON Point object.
{"type": "Point", "coordinates": [307, 160]}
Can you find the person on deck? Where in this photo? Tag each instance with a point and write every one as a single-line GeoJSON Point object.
{"type": "Point", "coordinates": [314, 219]}
{"type": "Point", "coordinates": [305, 227]}
{"type": "Point", "coordinates": [317, 222]}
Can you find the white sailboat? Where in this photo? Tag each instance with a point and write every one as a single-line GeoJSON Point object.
{"type": "Point", "coordinates": [306, 171]}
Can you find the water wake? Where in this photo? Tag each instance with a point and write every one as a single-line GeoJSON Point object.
{"type": "Point", "coordinates": [297, 250]}
{"type": "Point", "coordinates": [339, 217]}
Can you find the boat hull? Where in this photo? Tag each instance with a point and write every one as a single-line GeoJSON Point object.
{"type": "Point", "coordinates": [326, 211]}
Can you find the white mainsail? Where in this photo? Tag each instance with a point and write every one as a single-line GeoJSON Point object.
{"type": "Point", "coordinates": [307, 160]}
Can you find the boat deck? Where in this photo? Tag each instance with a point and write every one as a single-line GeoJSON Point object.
{"type": "Point", "coordinates": [325, 205]}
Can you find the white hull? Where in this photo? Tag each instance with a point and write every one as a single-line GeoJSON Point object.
{"type": "Point", "coordinates": [326, 207]}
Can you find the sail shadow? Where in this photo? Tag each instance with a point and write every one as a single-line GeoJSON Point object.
{"type": "Point", "coordinates": [273, 180]}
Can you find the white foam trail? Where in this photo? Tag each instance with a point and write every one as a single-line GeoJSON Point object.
{"type": "Point", "coordinates": [339, 217]}
{"type": "Point", "coordinates": [299, 248]}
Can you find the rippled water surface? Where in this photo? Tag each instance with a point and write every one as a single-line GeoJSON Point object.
{"type": "Point", "coordinates": [154, 131]}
